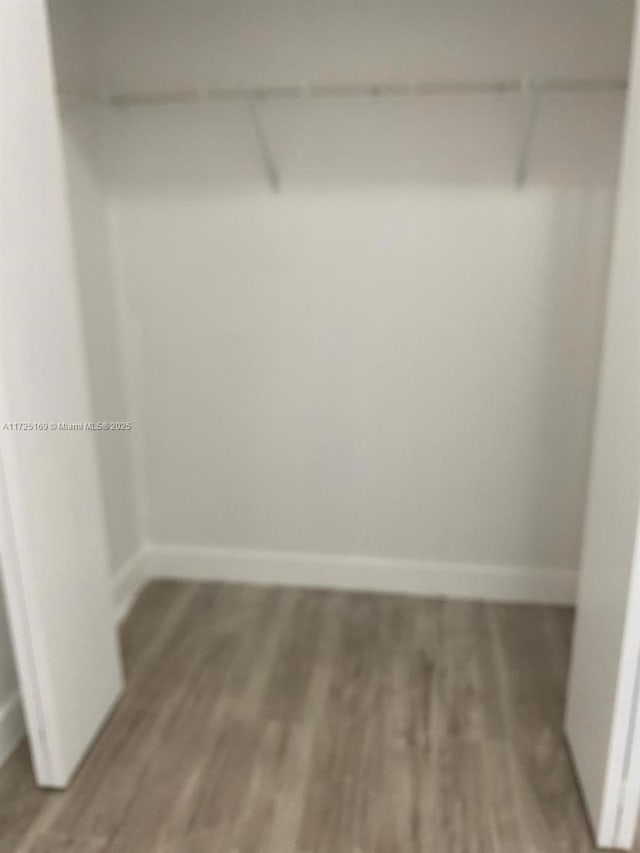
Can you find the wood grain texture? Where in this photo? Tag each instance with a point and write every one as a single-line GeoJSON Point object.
{"type": "Point", "coordinates": [48, 843]}
{"type": "Point", "coordinates": [20, 800]}
{"type": "Point", "coordinates": [284, 721]}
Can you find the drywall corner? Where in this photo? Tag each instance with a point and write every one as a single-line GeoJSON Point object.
{"type": "Point", "coordinates": [128, 582]}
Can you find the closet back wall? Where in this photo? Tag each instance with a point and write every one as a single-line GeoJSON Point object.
{"type": "Point", "coordinates": [388, 371]}
{"type": "Point", "coordinates": [395, 356]}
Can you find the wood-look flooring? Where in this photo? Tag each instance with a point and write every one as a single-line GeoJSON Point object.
{"type": "Point", "coordinates": [283, 721]}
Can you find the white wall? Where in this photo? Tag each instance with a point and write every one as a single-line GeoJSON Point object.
{"type": "Point", "coordinates": [103, 332]}
{"type": "Point", "coordinates": [75, 45]}
{"type": "Point", "coordinates": [385, 363]}
{"type": "Point", "coordinates": [168, 45]}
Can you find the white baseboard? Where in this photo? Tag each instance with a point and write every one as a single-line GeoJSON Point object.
{"type": "Point", "coordinates": [11, 725]}
{"type": "Point", "coordinates": [413, 577]}
{"type": "Point", "coordinates": [127, 585]}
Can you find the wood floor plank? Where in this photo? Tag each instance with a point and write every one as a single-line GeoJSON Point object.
{"type": "Point", "coordinates": [409, 656]}
{"type": "Point", "coordinates": [195, 842]}
{"type": "Point", "coordinates": [138, 632]}
{"type": "Point", "coordinates": [294, 661]}
{"type": "Point", "coordinates": [551, 811]}
{"type": "Point", "coordinates": [364, 738]}
{"type": "Point", "coordinates": [99, 799]}
{"type": "Point", "coordinates": [252, 826]}
{"type": "Point", "coordinates": [179, 744]}
{"type": "Point", "coordinates": [137, 738]}
{"type": "Point", "coordinates": [552, 815]}
{"type": "Point", "coordinates": [355, 685]}
{"type": "Point", "coordinates": [536, 704]}
{"type": "Point", "coordinates": [260, 621]}
{"type": "Point", "coordinates": [557, 624]}
{"type": "Point", "coordinates": [48, 843]}
{"type": "Point", "coordinates": [20, 801]}
{"type": "Point", "coordinates": [407, 802]}
{"type": "Point", "coordinates": [341, 800]}
{"type": "Point", "coordinates": [146, 732]}
{"type": "Point", "coordinates": [426, 655]}
{"type": "Point", "coordinates": [475, 810]}
{"type": "Point", "coordinates": [298, 766]}
{"type": "Point", "coordinates": [466, 679]}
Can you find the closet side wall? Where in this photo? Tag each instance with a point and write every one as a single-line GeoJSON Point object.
{"type": "Point", "coordinates": [82, 141]}
{"type": "Point", "coordinates": [77, 68]}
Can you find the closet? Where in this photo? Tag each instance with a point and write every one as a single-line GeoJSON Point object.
{"type": "Point", "coordinates": [344, 267]}
{"type": "Point", "coordinates": [342, 271]}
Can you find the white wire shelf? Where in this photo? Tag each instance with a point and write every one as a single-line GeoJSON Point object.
{"type": "Point", "coordinates": [532, 89]}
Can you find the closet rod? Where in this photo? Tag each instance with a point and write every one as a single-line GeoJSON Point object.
{"type": "Point", "coordinates": [327, 91]}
